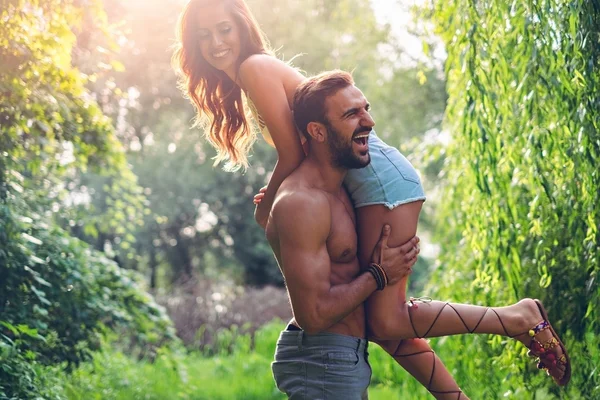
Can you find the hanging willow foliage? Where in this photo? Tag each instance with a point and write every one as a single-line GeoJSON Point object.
{"type": "Point", "coordinates": [521, 215]}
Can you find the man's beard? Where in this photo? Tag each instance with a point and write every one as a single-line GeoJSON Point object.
{"type": "Point", "coordinates": [342, 154]}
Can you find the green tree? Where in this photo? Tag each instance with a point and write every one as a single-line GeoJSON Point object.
{"type": "Point", "coordinates": [57, 296]}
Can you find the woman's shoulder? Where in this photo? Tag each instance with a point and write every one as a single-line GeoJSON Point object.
{"type": "Point", "coordinates": [268, 66]}
{"type": "Point", "coordinates": [261, 63]}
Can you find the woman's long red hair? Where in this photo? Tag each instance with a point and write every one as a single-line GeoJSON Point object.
{"type": "Point", "coordinates": [218, 100]}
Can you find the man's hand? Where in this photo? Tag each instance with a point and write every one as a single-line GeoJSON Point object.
{"type": "Point", "coordinates": [395, 261]}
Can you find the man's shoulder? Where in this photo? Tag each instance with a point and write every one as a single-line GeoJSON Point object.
{"type": "Point", "coordinates": [297, 200]}
{"type": "Point", "coordinates": [299, 196]}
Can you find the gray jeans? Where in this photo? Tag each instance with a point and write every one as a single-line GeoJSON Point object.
{"type": "Point", "coordinates": [325, 366]}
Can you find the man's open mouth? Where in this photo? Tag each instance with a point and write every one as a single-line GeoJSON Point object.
{"type": "Point", "coordinates": [361, 139]}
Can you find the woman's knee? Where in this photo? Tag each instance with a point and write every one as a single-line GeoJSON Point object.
{"type": "Point", "coordinates": [386, 325]}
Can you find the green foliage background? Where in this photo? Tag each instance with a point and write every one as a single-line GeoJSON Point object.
{"type": "Point", "coordinates": [521, 215]}
{"type": "Point", "coordinates": [57, 296]}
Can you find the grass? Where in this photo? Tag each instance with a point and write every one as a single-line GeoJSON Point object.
{"type": "Point", "coordinates": [115, 376]}
{"type": "Point", "coordinates": [240, 371]}
{"type": "Point", "coordinates": [241, 374]}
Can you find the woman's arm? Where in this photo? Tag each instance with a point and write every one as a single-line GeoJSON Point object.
{"type": "Point", "coordinates": [263, 78]}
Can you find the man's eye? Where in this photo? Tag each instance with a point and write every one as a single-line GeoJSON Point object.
{"type": "Point", "coordinates": [368, 108]}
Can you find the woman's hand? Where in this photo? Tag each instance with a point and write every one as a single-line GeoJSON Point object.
{"type": "Point", "coordinates": [259, 196]}
{"type": "Point", "coordinates": [261, 214]}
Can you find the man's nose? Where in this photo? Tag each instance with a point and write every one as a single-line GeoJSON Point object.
{"type": "Point", "coordinates": [368, 120]}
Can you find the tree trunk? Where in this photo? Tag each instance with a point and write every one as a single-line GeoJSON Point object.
{"type": "Point", "coordinates": [153, 266]}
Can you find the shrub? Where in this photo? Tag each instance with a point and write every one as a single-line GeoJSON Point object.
{"type": "Point", "coordinates": [57, 296]}
{"type": "Point", "coordinates": [200, 309]}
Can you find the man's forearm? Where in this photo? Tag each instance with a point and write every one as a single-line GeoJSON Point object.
{"type": "Point", "coordinates": [339, 302]}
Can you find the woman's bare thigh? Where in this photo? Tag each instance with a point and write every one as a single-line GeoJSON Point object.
{"type": "Point", "coordinates": [403, 220]}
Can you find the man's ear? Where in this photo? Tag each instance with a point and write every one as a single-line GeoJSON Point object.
{"type": "Point", "coordinates": [317, 131]}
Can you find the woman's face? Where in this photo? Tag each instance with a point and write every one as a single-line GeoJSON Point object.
{"type": "Point", "coordinates": [218, 37]}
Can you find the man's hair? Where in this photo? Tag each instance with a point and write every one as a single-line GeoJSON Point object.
{"type": "Point", "coordinates": [311, 95]}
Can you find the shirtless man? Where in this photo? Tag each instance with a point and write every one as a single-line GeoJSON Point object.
{"type": "Point", "coordinates": [312, 232]}
{"type": "Point", "coordinates": [322, 353]}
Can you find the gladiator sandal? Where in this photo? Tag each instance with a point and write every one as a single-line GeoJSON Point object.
{"type": "Point", "coordinates": [396, 354]}
{"type": "Point", "coordinates": [547, 358]}
{"type": "Point", "coordinates": [546, 352]}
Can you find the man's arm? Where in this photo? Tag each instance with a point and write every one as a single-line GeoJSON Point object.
{"type": "Point", "coordinates": [303, 223]}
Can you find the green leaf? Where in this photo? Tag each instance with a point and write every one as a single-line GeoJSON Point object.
{"type": "Point", "coordinates": [10, 327]}
{"type": "Point", "coordinates": [31, 239]}
{"type": "Point", "coordinates": [40, 295]}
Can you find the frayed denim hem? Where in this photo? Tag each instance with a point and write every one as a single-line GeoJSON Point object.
{"type": "Point", "coordinates": [389, 205]}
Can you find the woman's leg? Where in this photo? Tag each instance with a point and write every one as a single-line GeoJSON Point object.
{"type": "Point", "coordinates": [391, 317]}
{"type": "Point", "coordinates": [417, 357]}
{"type": "Point", "coordinates": [414, 355]}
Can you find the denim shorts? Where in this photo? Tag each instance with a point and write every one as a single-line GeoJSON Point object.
{"type": "Point", "coordinates": [389, 179]}
{"type": "Point", "coordinates": [324, 366]}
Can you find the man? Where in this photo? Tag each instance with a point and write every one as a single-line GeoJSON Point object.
{"type": "Point", "coordinates": [322, 353]}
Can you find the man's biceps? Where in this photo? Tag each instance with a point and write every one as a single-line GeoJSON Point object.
{"type": "Point", "coordinates": [306, 239]}
{"type": "Point", "coordinates": [305, 263]}
{"type": "Point", "coordinates": [297, 246]}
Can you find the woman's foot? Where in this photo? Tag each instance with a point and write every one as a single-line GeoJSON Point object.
{"type": "Point", "coordinates": [536, 333]}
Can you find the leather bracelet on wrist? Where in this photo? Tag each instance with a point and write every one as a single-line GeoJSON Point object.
{"type": "Point", "coordinates": [380, 268]}
{"type": "Point", "coordinates": [379, 274]}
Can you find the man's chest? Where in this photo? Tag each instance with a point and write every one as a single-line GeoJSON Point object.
{"type": "Point", "coordinates": [342, 241]}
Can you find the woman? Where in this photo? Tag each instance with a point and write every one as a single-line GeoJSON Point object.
{"type": "Point", "coordinates": [223, 58]}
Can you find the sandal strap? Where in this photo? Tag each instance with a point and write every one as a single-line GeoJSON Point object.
{"type": "Point", "coordinates": [539, 349]}
{"type": "Point", "coordinates": [542, 326]}
{"type": "Point", "coordinates": [547, 359]}
{"type": "Point", "coordinates": [546, 364]}
{"type": "Point", "coordinates": [396, 355]}
{"type": "Point", "coordinates": [562, 359]}
{"type": "Point", "coordinates": [413, 303]}
{"type": "Point", "coordinates": [550, 343]}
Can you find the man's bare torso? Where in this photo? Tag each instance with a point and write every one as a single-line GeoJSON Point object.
{"type": "Point", "coordinates": [341, 243]}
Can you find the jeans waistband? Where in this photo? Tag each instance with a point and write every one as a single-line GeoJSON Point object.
{"type": "Point", "coordinates": [301, 339]}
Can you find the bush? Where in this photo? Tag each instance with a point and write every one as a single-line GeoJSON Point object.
{"type": "Point", "coordinates": [201, 309]}
{"type": "Point", "coordinates": [57, 295]}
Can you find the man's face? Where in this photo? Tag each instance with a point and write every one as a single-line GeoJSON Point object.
{"type": "Point", "coordinates": [349, 125]}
